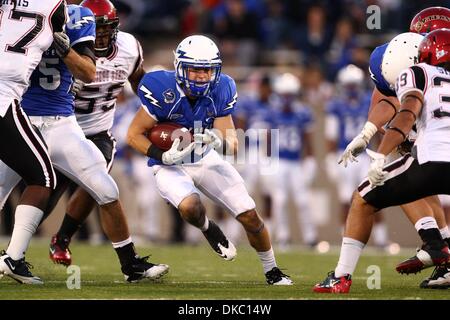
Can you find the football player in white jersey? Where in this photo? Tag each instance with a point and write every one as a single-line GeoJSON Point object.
{"type": "Point", "coordinates": [386, 62]}
{"type": "Point", "coordinates": [422, 91]}
{"type": "Point", "coordinates": [118, 60]}
{"type": "Point", "coordinates": [27, 29]}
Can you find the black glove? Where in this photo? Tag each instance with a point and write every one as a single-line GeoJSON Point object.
{"type": "Point", "coordinates": [61, 43]}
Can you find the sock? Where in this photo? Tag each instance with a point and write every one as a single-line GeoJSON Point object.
{"type": "Point", "coordinates": [267, 259]}
{"type": "Point", "coordinates": [379, 232]}
{"type": "Point", "coordinates": [27, 219]}
{"type": "Point", "coordinates": [125, 250]}
{"type": "Point", "coordinates": [445, 233]}
{"type": "Point", "coordinates": [68, 227]}
{"type": "Point", "coordinates": [351, 249]}
{"type": "Point", "coordinates": [432, 237]}
{"type": "Point", "coordinates": [426, 223]}
{"type": "Point", "coordinates": [205, 225]}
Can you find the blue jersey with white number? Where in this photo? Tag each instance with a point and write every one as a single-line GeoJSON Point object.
{"type": "Point", "coordinates": [351, 116]}
{"type": "Point", "coordinates": [165, 101]}
{"type": "Point", "coordinates": [50, 83]}
{"type": "Point", "coordinates": [291, 125]}
{"type": "Point", "coordinates": [376, 58]}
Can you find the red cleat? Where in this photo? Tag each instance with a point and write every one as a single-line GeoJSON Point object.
{"type": "Point", "coordinates": [334, 285]}
{"type": "Point", "coordinates": [425, 258]}
{"type": "Point", "coordinates": [59, 251]}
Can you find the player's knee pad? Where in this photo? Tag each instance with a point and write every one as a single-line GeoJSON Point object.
{"type": "Point", "coordinates": [102, 186]}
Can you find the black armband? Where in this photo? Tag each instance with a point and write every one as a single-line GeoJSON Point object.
{"type": "Point", "coordinates": [391, 104]}
{"type": "Point", "coordinates": [398, 130]}
{"type": "Point", "coordinates": [407, 110]}
{"type": "Point", "coordinates": [155, 153]}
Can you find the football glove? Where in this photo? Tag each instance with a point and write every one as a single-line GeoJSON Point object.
{"type": "Point", "coordinates": [376, 174]}
{"type": "Point", "coordinates": [208, 137]}
{"type": "Point", "coordinates": [61, 43]}
{"type": "Point", "coordinates": [175, 156]}
{"type": "Point", "coordinates": [358, 144]}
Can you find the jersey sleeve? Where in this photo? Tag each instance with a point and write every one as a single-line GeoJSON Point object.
{"type": "Point", "coordinates": [59, 17]}
{"type": "Point", "coordinates": [375, 71]}
{"type": "Point", "coordinates": [81, 25]}
{"type": "Point", "coordinates": [227, 96]}
{"type": "Point", "coordinates": [150, 95]}
{"type": "Point", "coordinates": [410, 80]}
{"type": "Point", "coordinates": [139, 57]}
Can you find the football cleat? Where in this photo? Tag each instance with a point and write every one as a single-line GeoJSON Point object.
{"type": "Point", "coordinates": [59, 251]}
{"type": "Point", "coordinates": [439, 279]}
{"type": "Point", "coordinates": [142, 269]}
{"type": "Point", "coordinates": [277, 278]}
{"type": "Point", "coordinates": [425, 257]}
{"type": "Point", "coordinates": [219, 242]}
{"type": "Point", "coordinates": [19, 270]}
{"type": "Point", "coordinates": [332, 284]}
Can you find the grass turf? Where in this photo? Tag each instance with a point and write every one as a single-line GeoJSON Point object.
{"type": "Point", "coordinates": [197, 273]}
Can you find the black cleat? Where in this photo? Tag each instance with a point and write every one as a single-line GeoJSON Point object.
{"type": "Point", "coordinates": [19, 270]}
{"type": "Point", "coordinates": [439, 279]}
{"type": "Point", "coordinates": [219, 242]}
{"type": "Point", "coordinates": [142, 269]}
{"type": "Point", "coordinates": [277, 278]}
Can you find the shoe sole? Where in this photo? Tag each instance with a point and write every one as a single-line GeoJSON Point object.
{"type": "Point", "coordinates": [437, 284]}
{"type": "Point", "coordinates": [148, 278]}
{"type": "Point", "coordinates": [416, 266]}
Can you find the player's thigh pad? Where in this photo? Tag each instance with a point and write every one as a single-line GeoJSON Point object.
{"type": "Point", "coordinates": [173, 183]}
{"type": "Point", "coordinates": [406, 182]}
{"type": "Point", "coordinates": [80, 160]}
{"type": "Point", "coordinates": [220, 181]}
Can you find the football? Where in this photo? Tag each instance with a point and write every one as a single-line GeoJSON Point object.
{"type": "Point", "coordinates": [163, 134]}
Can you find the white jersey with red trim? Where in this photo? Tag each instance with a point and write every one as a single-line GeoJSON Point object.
{"type": "Point", "coordinates": [95, 102]}
{"type": "Point", "coordinates": [26, 31]}
{"type": "Point", "coordinates": [433, 123]}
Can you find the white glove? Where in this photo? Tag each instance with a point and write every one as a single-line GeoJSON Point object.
{"type": "Point", "coordinates": [358, 144]}
{"type": "Point", "coordinates": [376, 174]}
{"type": "Point", "coordinates": [77, 85]}
{"type": "Point", "coordinates": [61, 43]}
{"type": "Point", "coordinates": [208, 137]}
{"type": "Point", "coordinates": [175, 156]}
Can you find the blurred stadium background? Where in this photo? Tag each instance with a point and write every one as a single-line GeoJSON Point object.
{"type": "Point", "coordinates": [257, 38]}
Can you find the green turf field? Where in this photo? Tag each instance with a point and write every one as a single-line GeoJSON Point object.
{"type": "Point", "coordinates": [197, 273]}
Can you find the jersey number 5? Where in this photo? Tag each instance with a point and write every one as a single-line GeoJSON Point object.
{"type": "Point", "coordinates": [20, 45]}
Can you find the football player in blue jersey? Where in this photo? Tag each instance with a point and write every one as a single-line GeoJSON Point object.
{"type": "Point", "coordinates": [297, 166]}
{"type": "Point", "coordinates": [201, 98]}
{"type": "Point", "coordinates": [50, 104]}
{"type": "Point", "coordinates": [386, 63]}
{"type": "Point", "coordinates": [346, 115]}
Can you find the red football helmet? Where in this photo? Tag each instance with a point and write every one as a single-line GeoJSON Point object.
{"type": "Point", "coordinates": [107, 24]}
{"type": "Point", "coordinates": [430, 19]}
{"type": "Point", "coordinates": [435, 47]}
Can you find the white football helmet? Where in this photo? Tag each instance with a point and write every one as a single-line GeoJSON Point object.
{"type": "Point", "coordinates": [286, 83]}
{"type": "Point", "coordinates": [402, 52]}
{"type": "Point", "coordinates": [350, 75]}
{"type": "Point", "coordinates": [197, 51]}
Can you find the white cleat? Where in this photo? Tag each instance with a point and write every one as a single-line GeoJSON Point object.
{"type": "Point", "coordinates": [217, 240]}
{"type": "Point", "coordinates": [228, 253]}
{"type": "Point", "coordinates": [277, 278]}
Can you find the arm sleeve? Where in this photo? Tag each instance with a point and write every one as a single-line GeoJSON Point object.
{"type": "Point", "coordinates": [85, 48]}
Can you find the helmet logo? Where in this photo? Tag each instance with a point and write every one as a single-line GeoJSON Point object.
{"type": "Point", "coordinates": [440, 54]}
